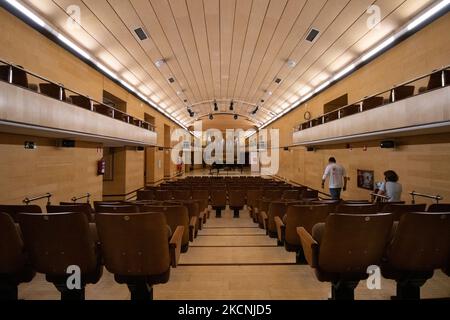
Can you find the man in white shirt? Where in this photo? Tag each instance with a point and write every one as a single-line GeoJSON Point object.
{"type": "Point", "coordinates": [337, 178]}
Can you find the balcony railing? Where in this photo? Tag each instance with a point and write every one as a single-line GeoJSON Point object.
{"type": "Point", "coordinates": [17, 75]}
{"type": "Point", "coordinates": [432, 81]}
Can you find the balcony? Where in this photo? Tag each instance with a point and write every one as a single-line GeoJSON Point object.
{"type": "Point", "coordinates": [33, 105]}
{"type": "Point", "coordinates": [419, 106]}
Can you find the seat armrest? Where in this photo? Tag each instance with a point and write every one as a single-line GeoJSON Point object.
{"type": "Point", "coordinates": [310, 247]}
{"type": "Point", "coordinates": [192, 226]}
{"type": "Point", "coordinates": [175, 246]}
{"type": "Point", "coordinates": [201, 220]}
{"type": "Point", "coordinates": [265, 220]}
{"type": "Point", "coordinates": [281, 229]}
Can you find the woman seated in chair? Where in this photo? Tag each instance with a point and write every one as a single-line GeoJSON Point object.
{"type": "Point", "coordinates": [391, 188]}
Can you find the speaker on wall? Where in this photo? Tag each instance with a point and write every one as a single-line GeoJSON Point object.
{"type": "Point", "coordinates": [388, 144]}
{"type": "Point", "coordinates": [310, 149]}
{"type": "Point", "coordinates": [65, 143]}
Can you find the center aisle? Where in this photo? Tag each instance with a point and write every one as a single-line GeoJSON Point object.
{"type": "Point", "coordinates": [232, 258]}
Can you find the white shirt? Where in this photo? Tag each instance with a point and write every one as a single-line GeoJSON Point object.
{"type": "Point", "coordinates": [179, 160]}
{"type": "Point", "coordinates": [336, 173]}
{"type": "Point", "coordinates": [392, 190]}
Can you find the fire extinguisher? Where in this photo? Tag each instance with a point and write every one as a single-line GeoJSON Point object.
{"type": "Point", "coordinates": [101, 167]}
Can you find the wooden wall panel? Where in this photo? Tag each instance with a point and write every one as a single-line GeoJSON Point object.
{"type": "Point", "coordinates": [65, 172]}
{"type": "Point", "coordinates": [421, 162]}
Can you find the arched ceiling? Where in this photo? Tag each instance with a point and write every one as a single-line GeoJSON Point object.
{"type": "Point", "coordinates": [225, 49]}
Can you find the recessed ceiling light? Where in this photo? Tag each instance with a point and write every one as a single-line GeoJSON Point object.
{"type": "Point", "coordinates": [278, 80]}
{"type": "Point", "coordinates": [159, 63]}
{"type": "Point", "coordinates": [171, 80]}
{"type": "Point", "coordinates": [291, 63]}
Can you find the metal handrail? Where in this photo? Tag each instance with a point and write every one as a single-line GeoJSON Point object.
{"type": "Point", "coordinates": [87, 196]}
{"type": "Point", "coordinates": [383, 197]}
{"type": "Point", "coordinates": [48, 195]}
{"type": "Point", "coordinates": [325, 194]}
{"type": "Point", "coordinates": [142, 123]}
{"type": "Point", "coordinates": [414, 194]}
{"type": "Point", "coordinates": [299, 127]}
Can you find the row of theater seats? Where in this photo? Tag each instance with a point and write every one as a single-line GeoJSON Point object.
{"type": "Point", "coordinates": [137, 241]}
{"type": "Point", "coordinates": [58, 92]}
{"type": "Point", "coordinates": [341, 239]}
{"type": "Point", "coordinates": [397, 94]}
{"type": "Point", "coordinates": [223, 191]}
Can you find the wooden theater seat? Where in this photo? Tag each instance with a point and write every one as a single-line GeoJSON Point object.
{"type": "Point", "coordinates": [420, 245]}
{"type": "Point", "coordinates": [14, 210]}
{"type": "Point", "coordinates": [398, 210]}
{"type": "Point", "coordinates": [236, 201]}
{"type": "Point", "coordinates": [15, 267]}
{"type": "Point", "coordinates": [52, 90]}
{"type": "Point", "coordinates": [136, 250]}
{"type": "Point", "coordinates": [57, 241]}
{"type": "Point", "coordinates": [176, 215]}
{"type": "Point", "coordinates": [341, 249]}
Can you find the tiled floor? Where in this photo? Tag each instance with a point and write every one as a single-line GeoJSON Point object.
{"type": "Point", "coordinates": [233, 259]}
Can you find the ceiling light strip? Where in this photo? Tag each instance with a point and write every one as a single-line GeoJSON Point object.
{"type": "Point", "coordinates": [39, 21]}
{"type": "Point", "coordinates": [377, 49]}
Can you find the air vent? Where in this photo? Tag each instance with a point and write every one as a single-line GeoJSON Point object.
{"type": "Point", "coordinates": [141, 34]}
{"type": "Point", "coordinates": [312, 35]}
{"type": "Point", "coordinates": [171, 80]}
{"type": "Point", "coordinates": [278, 80]}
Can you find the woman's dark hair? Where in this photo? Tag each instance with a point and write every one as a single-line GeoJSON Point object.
{"type": "Point", "coordinates": [391, 176]}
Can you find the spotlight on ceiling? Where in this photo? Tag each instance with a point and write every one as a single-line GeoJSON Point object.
{"type": "Point", "coordinates": [211, 116]}
{"type": "Point", "coordinates": [256, 110]}
{"type": "Point", "coordinates": [191, 113]}
{"type": "Point", "coordinates": [216, 108]}
{"type": "Point", "coordinates": [235, 117]}
{"type": "Point", "coordinates": [231, 105]}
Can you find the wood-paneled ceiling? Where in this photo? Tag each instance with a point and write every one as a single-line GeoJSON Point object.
{"type": "Point", "coordinates": [226, 49]}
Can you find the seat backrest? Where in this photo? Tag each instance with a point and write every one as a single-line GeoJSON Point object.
{"type": "Point", "coordinates": [218, 197]}
{"type": "Point", "coordinates": [357, 208]}
{"type": "Point", "coordinates": [51, 90]}
{"type": "Point", "coordinates": [439, 207]}
{"type": "Point", "coordinates": [421, 242]}
{"type": "Point", "coordinates": [402, 92]}
{"type": "Point", "coordinates": [163, 195]}
{"type": "Point", "coordinates": [56, 241]}
{"type": "Point", "coordinates": [175, 214]}
{"type": "Point", "coordinates": [352, 242]}
{"type": "Point", "coordinates": [83, 208]}
{"type": "Point", "coordinates": [117, 209]}
{"type": "Point", "coordinates": [200, 194]}
{"type": "Point", "coordinates": [399, 209]}
{"type": "Point", "coordinates": [290, 194]}
{"type": "Point", "coordinates": [20, 77]}
{"type": "Point", "coordinates": [134, 244]}
{"type": "Point", "coordinates": [236, 197]}
{"type": "Point", "coordinates": [97, 204]}
{"type": "Point", "coordinates": [253, 197]}
{"type": "Point", "coordinates": [12, 255]}
{"type": "Point", "coordinates": [310, 194]}
{"type": "Point", "coordinates": [372, 102]}
{"type": "Point", "coordinates": [276, 209]}
{"type": "Point", "coordinates": [145, 195]}
{"type": "Point", "coordinates": [181, 194]}
{"type": "Point", "coordinates": [273, 194]}
{"type": "Point", "coordinates": [14, 210]}
{"type": "Point", "coordinates": [192, 206]}
{"type": "Point", "coordinates": [305, 216]}
{"type": "Point", "coordinates": [81, 101]}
